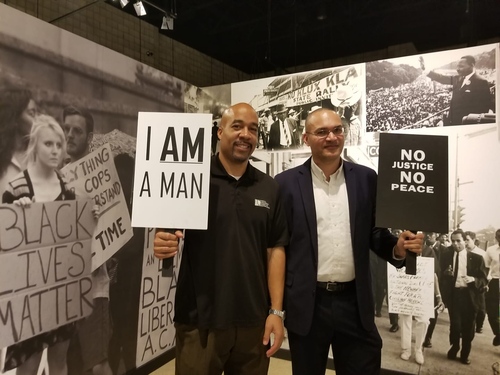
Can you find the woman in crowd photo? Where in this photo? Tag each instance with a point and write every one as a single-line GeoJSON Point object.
{"type": "Point", "coordinates": [41, 182]}
{"type": "Point", "coordinates": [17, 111]}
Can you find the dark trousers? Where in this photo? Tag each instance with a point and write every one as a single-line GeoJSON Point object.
{"type": "Point", "coordinates": [480, 317]}
{"type": "Point", "coordinates": [492, 309]}
{"type": "Point", "coordinates": [462, 321]}
{"type": "Point", "coordinates": [432, 325]}
{"type": "Point", "coordinates": [336, 323]}
{"type": "Point", "coordinates": [234, 351]}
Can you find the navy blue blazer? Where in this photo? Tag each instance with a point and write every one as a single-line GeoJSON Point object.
{"type": "Point", "coordinates": [302, 252]}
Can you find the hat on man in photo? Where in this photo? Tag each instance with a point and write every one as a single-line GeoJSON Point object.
{"type": "Point", "coordinates": [280, 108]}
{"type": "Point", "coordinates": [346, 94]}
{"type": "Point", "coordinates": [314, 107]}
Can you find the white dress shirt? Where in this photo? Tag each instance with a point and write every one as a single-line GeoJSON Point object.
{"type": "Point", "coordinates": [492, 261]}
{"type": "Point", "coordinates": [335, 254]}
{"type": "Point", "coordinates": [462, 278]}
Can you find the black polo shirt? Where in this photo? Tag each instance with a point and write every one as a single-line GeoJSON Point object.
{"type": "Point", "coordinates": [223, 275]}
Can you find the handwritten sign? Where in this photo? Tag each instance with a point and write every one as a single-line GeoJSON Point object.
{"type": "Point", "coordinates": [45, 267]}
{"type": "Point", "coordinates": [413, 181]}
{"type": "Point", "coordinates": [172, 170]}
{"type": "Point", "coordinates": [412, 294]}
{"type": "Point", "coordinates": [94, 176]}
{"type": "Point", "coordinates": [156, 332]}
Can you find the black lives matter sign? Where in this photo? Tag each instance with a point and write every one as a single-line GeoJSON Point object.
{"type": "Point", "coordinates": [412, 190]}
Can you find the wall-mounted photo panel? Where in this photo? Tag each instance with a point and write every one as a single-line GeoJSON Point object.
{"type": "Point", "coordinates": [401, 97]}
{"type": "Point", "coordinates": [98, 92]}
{"type": "Point", "coordinates": [448, 88]}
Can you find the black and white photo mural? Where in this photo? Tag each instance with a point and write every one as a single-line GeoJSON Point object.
{"type": "Point", "coordinates": [450, 93]}
{"type": "Point", "coordinates": [95, 94]}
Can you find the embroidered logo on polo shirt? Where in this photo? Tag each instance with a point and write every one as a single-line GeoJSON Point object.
{"type": "Point", "coordinates": [261, 203]}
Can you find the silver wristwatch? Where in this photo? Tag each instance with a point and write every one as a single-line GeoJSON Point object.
{"type": "Point", "coordinates": [280, 313]}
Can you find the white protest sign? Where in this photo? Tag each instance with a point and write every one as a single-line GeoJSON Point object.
{"type": "Point", "coordinates": [45, 267]}
{"type": "Point", "coordinates": [412, 294]}
{"type": "Point", "coordinates": [155, 330]}
{"type": "Point", "coordinates": [172, 170]}
{"type": "Point", "coordinates": [94, 176]}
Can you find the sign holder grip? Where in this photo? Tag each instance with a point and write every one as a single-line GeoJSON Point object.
{"type": "Point", "coordinates": [411, 260]}
{"type": "Point", "coordinates": [167, 264]}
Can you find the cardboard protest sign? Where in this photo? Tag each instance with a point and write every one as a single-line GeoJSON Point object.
{"type": "Point", "coordinates": [156, 332]}
{"type": "Point", "coordinates": [412, 188]}
{"type": "Point", "coordinates": [45, 267]}
{"type": "Point", "coordinates": [94, 176]}
{"type": "Point", "coordinates": [412, 294]}
{"type": "Point", "coordinates": [172, 170]}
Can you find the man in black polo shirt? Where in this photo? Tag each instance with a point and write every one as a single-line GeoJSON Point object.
{"type": "Point", "coordinates": [230, 289]}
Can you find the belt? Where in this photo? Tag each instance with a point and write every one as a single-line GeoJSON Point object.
{"type": "Point", "coordinates": [335, 286]}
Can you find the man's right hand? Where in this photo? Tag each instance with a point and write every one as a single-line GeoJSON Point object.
{"type": "Point", "coordinates": [166, 245]}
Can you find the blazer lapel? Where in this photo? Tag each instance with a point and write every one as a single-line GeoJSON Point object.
{"type": "Point", "coordinates": [470, 264]}
{"type": "Point", "coordinates": [306, 191]}
{"type": "Point", "coordinates": [350, 180]}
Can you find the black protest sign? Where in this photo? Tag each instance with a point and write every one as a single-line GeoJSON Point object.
{"type": "Point", "coordinates": [412, 190]}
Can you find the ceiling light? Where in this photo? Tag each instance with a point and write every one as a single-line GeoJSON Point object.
{"type": "Point", "coordinates": [123, 3]}
{"type": "Point", "coordinates": [167, 23]}
{"type": "Point", "coordinates": [139, 8]}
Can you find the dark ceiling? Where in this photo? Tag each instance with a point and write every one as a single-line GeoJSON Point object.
{"type": "Point", "coordinates": [258, 36]}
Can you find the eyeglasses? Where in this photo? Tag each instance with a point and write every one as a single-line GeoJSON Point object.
{"type": "Point", "coordinates": [338, 131]}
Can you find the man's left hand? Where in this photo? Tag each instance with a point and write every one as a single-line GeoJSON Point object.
{"type": "Point", "coordinates": [409, 241]}
{"type": "Point", "coordinates": [274, 324]}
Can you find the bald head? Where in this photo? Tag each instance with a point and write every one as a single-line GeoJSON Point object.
{"type": "Point", "coordinates": [239, 109]}
{"type": "Point", "coordinates": [316, 115]}
{"type": "Point", "coordinates": [238, 137]}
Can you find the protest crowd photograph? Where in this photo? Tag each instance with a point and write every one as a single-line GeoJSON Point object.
{"type": "Point", "coordinates": [440, 89]}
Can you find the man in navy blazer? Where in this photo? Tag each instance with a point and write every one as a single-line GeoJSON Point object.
{"type": "Point", "coordinates": [330, 209]}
